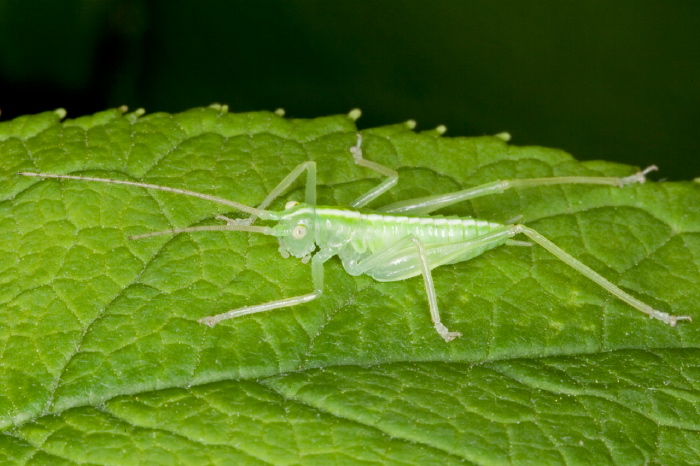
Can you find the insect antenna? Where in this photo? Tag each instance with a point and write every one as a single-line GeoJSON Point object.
{"type": "Point", "coordinates": [253, 229]}
{"type": "Point", "coordinates": [263, 214]}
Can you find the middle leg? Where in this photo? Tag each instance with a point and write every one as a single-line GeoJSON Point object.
{"type": "Point", "coordinates": [410, 257]}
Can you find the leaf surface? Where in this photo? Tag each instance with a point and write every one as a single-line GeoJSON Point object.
{"type": "Point", "coordinates": [102, 358]}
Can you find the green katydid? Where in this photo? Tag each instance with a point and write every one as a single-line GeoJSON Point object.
{"type": "Point", "coordinates": [394, 242]}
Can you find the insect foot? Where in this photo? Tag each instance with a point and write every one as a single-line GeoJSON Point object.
{"type": "Point", "coordinates": [210, 321]}
{"type": "Point", "coordinates": [446, 334]}
{"type": "Point", "coordinates": [667, 318]}
{"type": "Point", "coordinates": [639, 177]}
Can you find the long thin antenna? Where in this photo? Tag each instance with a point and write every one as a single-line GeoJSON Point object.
{"type": "Point", "coordinates": [263, 214]}
{"type": "Point", "coordinates": [253, 229]}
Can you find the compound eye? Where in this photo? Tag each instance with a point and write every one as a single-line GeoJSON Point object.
{"type": "Point", "coordinates": [290, 204]}
{"type": "Point", "coordinates": [299, 232]}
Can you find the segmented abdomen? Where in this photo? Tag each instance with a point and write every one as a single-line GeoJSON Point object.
{"type": "Point", "coordinates": [380, 231]}
{"type": "Point", "coordinates": [369, 232]}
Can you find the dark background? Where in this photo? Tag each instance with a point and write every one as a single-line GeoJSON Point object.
{"type": "Point", "coordinates": [600, 79]}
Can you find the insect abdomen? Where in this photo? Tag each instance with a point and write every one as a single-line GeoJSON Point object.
{"type": "Point", "coordinates": [374, 233]}
{"type": "Point", "coordinates": [380, 231]}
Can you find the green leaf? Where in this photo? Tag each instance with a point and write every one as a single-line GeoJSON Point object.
{"type": "Point", "coordinates": [103, 361]}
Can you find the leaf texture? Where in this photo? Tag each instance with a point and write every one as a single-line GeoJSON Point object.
{"type": "Point", "coordinates": [102, 360]}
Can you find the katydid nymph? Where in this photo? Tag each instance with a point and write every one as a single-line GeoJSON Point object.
{"type": "Point", "coordinates": [395, 242]}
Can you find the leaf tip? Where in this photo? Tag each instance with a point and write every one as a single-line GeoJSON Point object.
{"type": "Point", "coordinates": [223, 108]}
{"type": "Point", "coordinates": [355, 114]}
{"type": "Point", "coordinates": [504, 135]}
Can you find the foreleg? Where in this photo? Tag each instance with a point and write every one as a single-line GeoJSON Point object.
{"type": "Point", "coordinates": [317, 277]}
